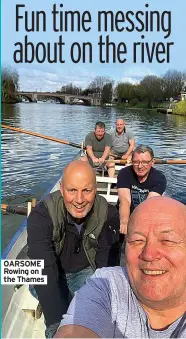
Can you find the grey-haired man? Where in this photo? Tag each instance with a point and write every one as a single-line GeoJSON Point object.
{"type": "Point", "coordinates": [138, 182]}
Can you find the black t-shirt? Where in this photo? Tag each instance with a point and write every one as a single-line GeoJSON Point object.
{"type": "Point", "coordinates": [155, 182]}
{"type": "Point", "coordinates": [98, 146]}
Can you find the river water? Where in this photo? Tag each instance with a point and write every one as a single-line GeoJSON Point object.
{"type": "Point", "coordinates": [31, 165]}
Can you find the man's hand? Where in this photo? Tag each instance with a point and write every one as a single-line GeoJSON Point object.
{"type": "Point", "coordinates": [124, 157]}
{"type": "Point", "coordinates": [101, 160]}
{"type": "Point", "coordinates": [123, 227]}
{"type": "Point", "coordinates": [95, 160]}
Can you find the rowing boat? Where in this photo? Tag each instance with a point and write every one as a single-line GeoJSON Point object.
{"type": "Point", "coordinates": [21, 314]}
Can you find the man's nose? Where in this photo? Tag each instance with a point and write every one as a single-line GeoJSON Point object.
{"type": "Point", "coordinates": [79, 197]}
{"type": "Point", "coordinates": [150, 251]}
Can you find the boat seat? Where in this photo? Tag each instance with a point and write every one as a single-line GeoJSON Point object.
{"type": "Point", "coordinates": [112, 198]}
{"type": "Point", "coordinates": [106, 180]}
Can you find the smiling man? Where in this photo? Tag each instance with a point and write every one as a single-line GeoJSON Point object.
{"type": "Point", "coordinates": [75, 231]}
{"type": "Point", "coordinates": [122, 145]}
{"type": "Point", "coordinates": [147, 298]}
{"type": "Point", "coordinates": [98, 145]}
{"type": "Point", "coordinates": [138, 182]}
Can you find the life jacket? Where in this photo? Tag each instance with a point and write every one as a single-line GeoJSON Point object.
{"type": "Point", "coordinates": [54, 202]}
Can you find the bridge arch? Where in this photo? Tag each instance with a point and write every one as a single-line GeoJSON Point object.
{"type": "Point", "coordinates": [29, 97]}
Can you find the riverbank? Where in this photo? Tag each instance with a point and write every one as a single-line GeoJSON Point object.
{"type": "Point", "coordinates": [14, 100]}
{"type": "Point", "coordinates": [164, 107]}
{"type": "Point", "coordinates": [142, 106]}
{"type": "Point", "coordinates": [179, 108]}
{"type": "Point", "coordinates": [133, 108]}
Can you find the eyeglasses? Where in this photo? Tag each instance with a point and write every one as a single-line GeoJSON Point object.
{"type": "Point", "coordinates": [143, 162]}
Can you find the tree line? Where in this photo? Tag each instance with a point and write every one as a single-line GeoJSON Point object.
{"type": "Point", "coordinates": [151, 89]}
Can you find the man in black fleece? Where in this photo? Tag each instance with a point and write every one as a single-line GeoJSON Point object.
{"type": "Point", "coordinates": [75, 231]}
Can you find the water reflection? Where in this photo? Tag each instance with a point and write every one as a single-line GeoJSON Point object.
{"type": "Point", "coordinates": [31, 165]}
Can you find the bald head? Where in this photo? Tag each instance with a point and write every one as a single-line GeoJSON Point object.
{"type": "Point", "coordinates": [120, 121]}
{"type": "Point", "coordinates": [159, 208]}
{"type": "Point", "coordinates": [78, 188]}
{"type": "Point", "coordinates": [120, 125]}
{"type": "Point", "coordinates": [155, 253]}
{"type": "Point", "coordinates": [79, 168]}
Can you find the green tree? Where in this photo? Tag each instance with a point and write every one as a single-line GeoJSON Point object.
{"type": "Point", "coordinates": [152, 87]}
{"type": "Point", "coordinates": [139, 92]}
{"type": "Point", "coordinates": [10, 84]}
{"type": "Point", "coordinates": [106, 95]}
{"type": "Point", "coordinates": [124, 91]}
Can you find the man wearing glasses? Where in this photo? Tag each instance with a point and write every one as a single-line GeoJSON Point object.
{"type": "Point", "coordinates": [138, 182]}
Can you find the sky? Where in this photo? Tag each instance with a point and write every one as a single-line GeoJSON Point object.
{"type": "Point", "coordinates": [127, 31]}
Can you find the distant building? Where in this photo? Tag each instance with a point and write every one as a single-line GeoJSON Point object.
{"type": "Point", "coordinates": [182, 96]}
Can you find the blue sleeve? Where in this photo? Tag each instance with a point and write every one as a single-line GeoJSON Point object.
{"type": "Point", "coordinates": [123, 180]}
{"type": "Point", "coordinates": [159, 184]}
{"type": "Point", "coordinates": [91, 307]}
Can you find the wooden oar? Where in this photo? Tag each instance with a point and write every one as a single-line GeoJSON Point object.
{"type": "Point", "coordinates": [157, 161]}
{"type": "Point", "coordinates": [14, 210]}
{"type": "Point", "coordinates": [19, 130]}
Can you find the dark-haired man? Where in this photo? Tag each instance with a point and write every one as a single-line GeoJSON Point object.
{"type": "Point", "coordinates": [98, 144]}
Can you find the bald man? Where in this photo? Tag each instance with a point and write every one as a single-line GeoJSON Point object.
{"type": "Point", "coordinates": [122, 145]}
{"type": "Point", "coordinates": [147, 299]}
{"type": "Point", "coordinates": [75, 231]}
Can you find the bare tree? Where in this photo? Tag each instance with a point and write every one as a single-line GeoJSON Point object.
{"type": "Point", "coordinates": [102, 86]}
{"type": "Point", "coordinates": [173, 83]}
{"type": "Point", "coordinates": [71, 89]}
{"type": "Point", "coordinates": [98, 83]}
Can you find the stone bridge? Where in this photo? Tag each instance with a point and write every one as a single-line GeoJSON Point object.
{"type": "Point", "coordinates": [91, 100]}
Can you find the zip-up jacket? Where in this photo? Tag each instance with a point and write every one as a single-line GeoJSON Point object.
{"type": "Point", "coordinates": [53, 236]}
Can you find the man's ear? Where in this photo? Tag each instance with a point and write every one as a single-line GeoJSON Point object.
{"type": "Point", "coordinates": [153, 161]}
{"type": "Point", "coordinates": [61, 188]}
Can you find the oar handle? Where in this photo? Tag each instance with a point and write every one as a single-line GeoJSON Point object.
{"type": "Point", "coordinates": [14, 210]}
{"type": "Point", "coordinates": [170, 161]}
{"type": "Point", "coordinates": [19, 130]}
{"type": "Point", "coordinates": [157, 161]}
